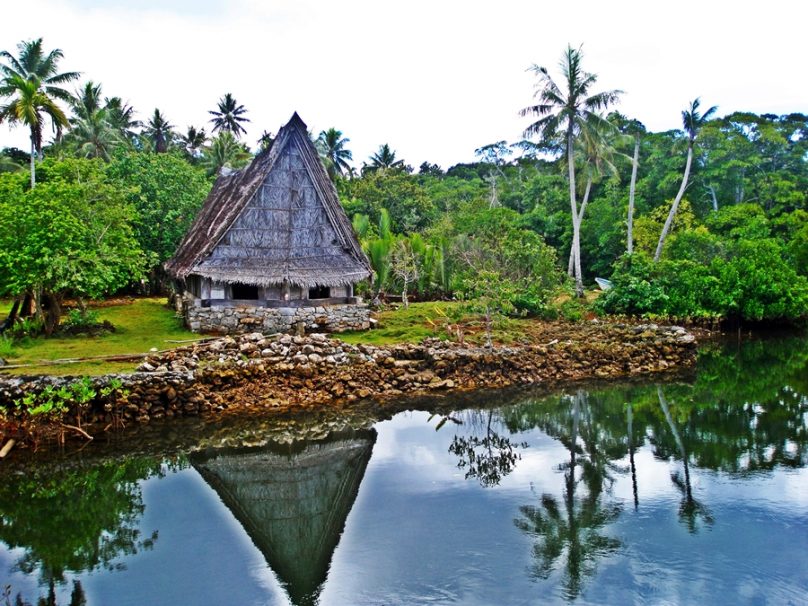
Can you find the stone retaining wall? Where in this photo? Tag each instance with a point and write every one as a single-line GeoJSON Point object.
{"type": "Point", "coordinates": [279, 373]}
{"type": "Point", "coordinates": [242, 318]}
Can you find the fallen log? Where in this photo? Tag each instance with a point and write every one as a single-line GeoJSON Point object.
{"type": "Point", "coordinates": [7, 448]}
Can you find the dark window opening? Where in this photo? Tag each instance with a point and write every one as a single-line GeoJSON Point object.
{"type": "Point", "coordinates": [319, 292]}
{"type": "Point", "coordinates": [244, 291]}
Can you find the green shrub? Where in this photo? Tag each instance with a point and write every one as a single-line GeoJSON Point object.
{"type": "Point", "coordinates": [752, 280]}
{"type": "Point", "coordinates": [635, 292]}
{"type": "Point", "coordinates": [81, 318]}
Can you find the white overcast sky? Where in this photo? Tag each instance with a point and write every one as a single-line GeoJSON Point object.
{"type": "Point", "coordinates": [435, 79]}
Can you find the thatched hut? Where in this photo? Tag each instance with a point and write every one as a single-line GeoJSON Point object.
{"type": "Point", "coordinates": [293, 502]}
{"type": "Point", "coordinates": [272, 248]}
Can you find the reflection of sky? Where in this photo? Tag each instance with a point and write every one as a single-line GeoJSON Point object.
{"type": "Point", "coordinates": [420, 533]}
{"type": "Point", "coordinates": [202, 555]}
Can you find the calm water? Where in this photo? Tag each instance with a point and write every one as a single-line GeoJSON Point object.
{"type": "Point", "coordinates": [673, 493]}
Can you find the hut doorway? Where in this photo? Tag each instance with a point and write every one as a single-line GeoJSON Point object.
{"type": "Point", "coordinates": [319, 292]}
{"type": "Point", "coordinates": [245, 292]}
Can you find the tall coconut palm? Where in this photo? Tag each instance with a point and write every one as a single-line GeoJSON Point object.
{"type": "Point", "coordinates": [93, 137]}
{"type": "Point", "coordinates": [224, 151]}
{"type": "Point", "coordinates": [34, 83]}
{"type": "Point", "coordinates": [692, 121]}
{"type": "Point", "coordinates": [159, 131]}
{"type": "Point", "coordinates": [384, 159]}
{"type": "Point", "coordinates": [193, 141]}
{"type": "Point", "coordinates": [635, 129]}
{"type": "Point", "coordinates": [229, 116]}
{"type": "Point", "coordinates": [87, 100]}
{"type": "Point", "coordinates": [266, 140]}
{"type": "Point", "coordinates": [121, 117]}
{"type": "Point", "coordinates": [30, 107]}
{"type": "Point", "coordinates": [331, 146]}
{"type": "Point", "coordinates": [595, 153]}
{"type": "Point", "coordinates": [567, 110]}
{"type": "Point", "coordinates": [91, 134]}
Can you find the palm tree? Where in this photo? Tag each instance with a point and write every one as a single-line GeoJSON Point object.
{"type": "Point", "coordinates": [224, 151]}
{"type": "Point", "coordinates": [692, 121]}
{"type": "Point", "coordinates": [634, 129]}
{"type": "Point", "coordinates": [87, 100]}
{"type": "Point", "coordinates": [331, 146]}
{"type": "Point", "coordinates": [568, 111]}
{"type": "Point", "coordinates": [91, 134]}
{"type": "Point", "coordinates": [121, 117]}
{"type": "Point", "coordinates": [595, 152]}
{"type": "Point", "coordinates": [265, 140]}
{"type": "Point", "coordinates": [30, 107]}
{"type": "Point", "coordinates": [93, 137]}
{"type": "Point", "coordinates": [229, 116]}
{"type": "Point", "coordinates": [34, 83]}
{"type": "Point", "coordinates": [159, 131]}
{"type": "Point", "coordinates": [193, 141]}
{"type": "Point", "coordinates": [384, 159]}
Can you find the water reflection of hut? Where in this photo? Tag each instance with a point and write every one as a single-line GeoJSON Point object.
{"type": "Point", "coordinates": [293, 502]}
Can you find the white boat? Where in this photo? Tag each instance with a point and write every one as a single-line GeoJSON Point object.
{"type": "Point", "coordinates": [604, 283]}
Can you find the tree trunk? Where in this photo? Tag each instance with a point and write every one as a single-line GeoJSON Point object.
{"type": "Point", "coordinates": [571, 264]}
{"type": "Point", "coordinates": [53, 312]}
{"type": "Point", "coordinates": [492, 178]}
{"type": "Point", "coordinates": [33, 158]}
{"type": "Point", "coordinates": [675, 205]}
{"type": "Point", "coordinates": [635, 162]}
{"type": "Point", "coordinates": [27, 309]}
{"type": "Point", "coordinates": [12, 316]}
{"type": "Point", "coordinates": [711, 189]}
{"type": "Point", "coordinates": [576, 235]}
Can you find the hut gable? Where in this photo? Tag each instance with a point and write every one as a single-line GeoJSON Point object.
{"type": "Point", "coordinates": [278, 220]}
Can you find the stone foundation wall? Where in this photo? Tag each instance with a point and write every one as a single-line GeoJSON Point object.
{"type": "Point", "coordinates": [241, 319]}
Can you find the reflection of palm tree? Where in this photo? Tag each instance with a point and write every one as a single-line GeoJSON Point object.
{"type": "Point", "coordinates": [77, 596]}
{"type": "Point", "coordinates": [576, 528]}
{"type": "Point", "coordinates": [630, 428]}
{"type": "Point", "coordinates": [690, 509]}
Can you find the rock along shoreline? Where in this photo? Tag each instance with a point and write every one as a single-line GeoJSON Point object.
{"type": "Point", "coordinates": [278, 374]}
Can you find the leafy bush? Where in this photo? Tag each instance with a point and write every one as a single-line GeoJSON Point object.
{"type": "Point", "coordinates": [635, 291]}
{"type": "Point", "coordinates": [7, 347]}
{"type": "Point", "coordinates": [81, 318]}
{"type": "Point", "coordinates": [757, 284]}
{"type": "Point", "coordinates": [751, 281]}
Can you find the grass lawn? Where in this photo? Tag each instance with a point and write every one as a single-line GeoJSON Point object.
{"type": "Point", "coordinates": [146, 323]}
{"type": "Point", "coordinates": [431, 319]}
{"type": "Point", "coordinates": [140, 325]}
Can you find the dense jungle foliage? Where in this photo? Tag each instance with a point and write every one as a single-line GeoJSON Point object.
{"type": "Point", "coordinates": [717, 210]}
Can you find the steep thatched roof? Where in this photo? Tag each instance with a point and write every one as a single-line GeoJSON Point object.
{"type": "Point", "coordinates": [293, 505]}
{"type": "Point", "coordinates": [277, 220]}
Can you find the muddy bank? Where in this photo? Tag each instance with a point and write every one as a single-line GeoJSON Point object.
{"type": "Point", "coordinates": [279, 374]}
